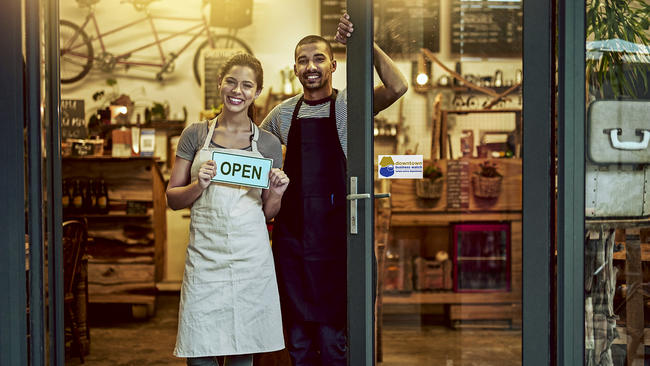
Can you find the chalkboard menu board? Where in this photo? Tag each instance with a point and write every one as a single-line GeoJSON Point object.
{"type": "Point", "coordinates": [487, 27]}
{"type": "Point", "coordinates": [402, 27]}
{"type": "Point", "coordinates": [330, 13]}
{"type": "Point", "coordinates": [212, 61]}
{"type": "Point", "coordinates": [457, 184]}
{"type": "Point", "coordinates": [73, 123]}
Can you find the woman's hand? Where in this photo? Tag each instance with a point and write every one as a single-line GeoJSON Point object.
{"type": "Point", "coordinates": [272, 197]}
{"type": "Point", "coordinates": [278, 181]}
{"type": "Point", "coordinates": [207, 171]}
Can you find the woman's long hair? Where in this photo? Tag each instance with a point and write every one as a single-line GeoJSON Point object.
{"type": "Point", "coordinates": [245, 59]}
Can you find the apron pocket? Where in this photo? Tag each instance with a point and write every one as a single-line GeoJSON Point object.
{"type": "Point", "coordinates": [324, 229]}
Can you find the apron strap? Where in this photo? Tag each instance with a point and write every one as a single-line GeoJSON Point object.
{"type": "Point", "coordinates": [254, 136]}
{"type": "Point", "coordinates": [296, 109]}
{"type": "Point", "coordinates": [335, 92]}
{"type": "Point", "coordinates": [208, 138]}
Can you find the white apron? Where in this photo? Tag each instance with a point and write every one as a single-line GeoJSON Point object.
{"type": "Point", "coordinates": [229, 299]}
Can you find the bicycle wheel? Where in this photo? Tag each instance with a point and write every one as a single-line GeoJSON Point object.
{"type": "Point", "coordinates": [76, 52]}
{"type": "Point", "coordinates": [222, 41]}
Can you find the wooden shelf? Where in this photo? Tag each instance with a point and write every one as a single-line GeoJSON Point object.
{"type": "Point", "coordinates": [125, 299]}
{"type": "Point", "coordinates": [428, 218]}
{"type": "Point", "coordinates": [104, 158]}
{"type": "Point", "coordinates": [405, 200]}
{"type": "Point", "coordinates": [622, 336]}
{"type": "Point", "coordinates": [118, 215]}
{"type": "Point", "coordinates": [645, 253]}
{"type": "Point", "coordinates": [161, 125]}
{"type": "Point", "coordinates": [450, 297]}
{"type": "Point", "coordinates": [127, 255]}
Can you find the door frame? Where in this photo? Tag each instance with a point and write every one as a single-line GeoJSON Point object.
{"type": "Point", "coordinates": [361, 246]}
{"type": "Point", "coordinates": [571, 183]}
{"type": "Point", "coordinates": [13, 314]}
{"type": "Point", "coordinates": [538, 182]}
{"type": "Point", "coordinates": [31, 189]}
{"type": "Point", "coordinates": [538, 195]}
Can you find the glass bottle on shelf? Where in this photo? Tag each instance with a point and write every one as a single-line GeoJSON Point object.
{"type": "Point", "coordinates": [66, 197]}
{"type": "Point", "coordinates": [77, 197]}
{"type": "Point", "coordinates": [89, 197]}
{"type": "Point", "coordinates": [102, 198]}
{"type": "Point", "coordinates": [97, 191]}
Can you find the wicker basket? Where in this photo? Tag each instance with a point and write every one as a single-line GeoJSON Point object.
{"type": "Point", "coordinates": [487, 187]}
{"type": "Point", "coordinates": [425, 188]}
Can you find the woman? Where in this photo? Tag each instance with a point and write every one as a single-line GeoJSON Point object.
{"type": "Point", "coordinates": [229, 300]}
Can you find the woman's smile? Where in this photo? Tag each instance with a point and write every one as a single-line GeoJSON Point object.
{"type": "Point", "coordinates": [235, 100]}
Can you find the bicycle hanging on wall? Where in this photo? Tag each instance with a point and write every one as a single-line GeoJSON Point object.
{"type": "Point", "coordinates": [78, 56]}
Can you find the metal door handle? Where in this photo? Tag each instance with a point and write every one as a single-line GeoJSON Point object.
{"type": "Point", "coordinates": [358, 196]}
{"type": "Point", "coordinates": [353, 197]}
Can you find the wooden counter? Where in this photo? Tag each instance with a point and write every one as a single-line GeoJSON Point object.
{"type": "Point", "coordinates": [429, 222]}
{"type": "Point", "coordinates": [404, 199]}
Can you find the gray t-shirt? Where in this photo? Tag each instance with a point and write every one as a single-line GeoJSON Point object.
{"type": "Point", "coordinates": [278, 121]}
{"type": "Point", "coordinates": [194, 135]}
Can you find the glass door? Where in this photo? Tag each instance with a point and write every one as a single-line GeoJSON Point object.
{"type": "Point", "coordinates": [451, 258]}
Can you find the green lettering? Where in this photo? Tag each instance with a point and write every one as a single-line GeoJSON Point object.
{"type": "Point", "coordinates": [223, 171]}
{"type": "Point", "coordinates": [257, 172]}
{"type": "Point", "coordinates": [235, 168]}
{"type": "Point", "coordinates": [246, 173]}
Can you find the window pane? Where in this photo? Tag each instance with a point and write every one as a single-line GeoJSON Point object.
{"type": "Point", "coordinates": [616, 183]}
{"type": "Point", "coordinates": [449, 246]}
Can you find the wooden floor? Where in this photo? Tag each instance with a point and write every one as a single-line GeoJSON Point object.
{"type": "Point", "coordinates": [117, 340]}
{"type": "Point", "coordinates": [417, 345]}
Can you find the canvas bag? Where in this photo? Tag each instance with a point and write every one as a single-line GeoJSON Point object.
{"type": "Point", "coordinates": [617, 171]}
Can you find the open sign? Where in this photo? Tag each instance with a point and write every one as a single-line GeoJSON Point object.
{"type": "Point", "coordinates": [243, 170]}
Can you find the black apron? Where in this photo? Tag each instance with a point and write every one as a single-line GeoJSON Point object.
{"type": "Point", "coordinates": [309, 234]}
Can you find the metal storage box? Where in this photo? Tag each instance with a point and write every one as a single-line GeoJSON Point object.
{"type": "Point", "coordinates": [617, 173]}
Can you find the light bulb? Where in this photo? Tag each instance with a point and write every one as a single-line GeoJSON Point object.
{"type": "Point", "coordinates": [422, 79]}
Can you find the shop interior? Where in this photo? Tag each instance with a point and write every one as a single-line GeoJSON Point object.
{"type": "Point", "coordinates": [448, 246]}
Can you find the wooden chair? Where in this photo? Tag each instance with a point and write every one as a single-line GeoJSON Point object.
{"type": "Point", "coordinates": [75, 235]}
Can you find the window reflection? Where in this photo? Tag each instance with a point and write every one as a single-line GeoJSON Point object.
{"type": "Point", "coordinates": [449, 245]}
{"type": "Point", "coordinates": [616, 171]}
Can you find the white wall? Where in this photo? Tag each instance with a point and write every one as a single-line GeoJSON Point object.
{"type": "Point", "coordinates": [277, 26]}
{"type": "Point", "coordinates": [272, 39]}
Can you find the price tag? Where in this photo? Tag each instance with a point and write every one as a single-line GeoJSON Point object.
{"type": "Point", "coordinates": [242, 169]}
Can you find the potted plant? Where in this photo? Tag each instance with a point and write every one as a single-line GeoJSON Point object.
{"type": "Point", "coordinates": [487, 180]}
{"type": "Point", "coordinates": [618, 39]}
{"type": "Point", "coordinates": [113, 97]}
{"type": "Point", "coordinates": [430, 186]}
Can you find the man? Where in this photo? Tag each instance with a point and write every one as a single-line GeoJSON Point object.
{"type": "Point", "coordinates": [309, 236]}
